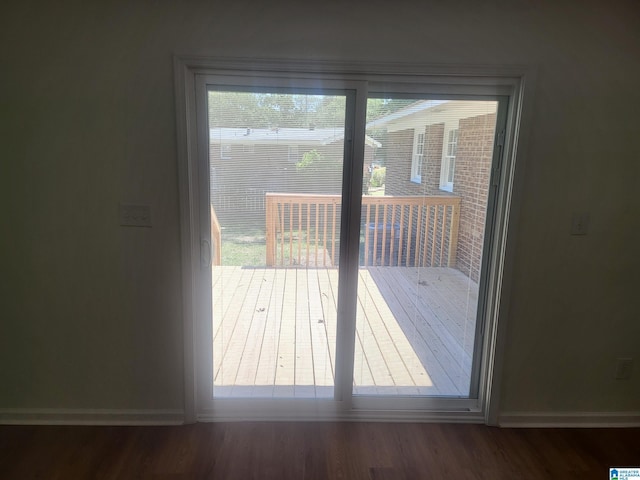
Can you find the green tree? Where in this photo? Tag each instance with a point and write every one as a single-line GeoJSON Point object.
{"type": "Point", "coordinates": [314, 162]}
{"type": "Point", "coordinates": [309, 159]}
{"type": "Point", "coordinates": [270, 110]}
{"type": "Point", "coordinates": [379, 107]}
{"type": "Point", "coordinates": [378, 177]}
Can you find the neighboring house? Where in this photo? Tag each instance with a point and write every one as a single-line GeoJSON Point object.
{"type": "Point", "coordinates": [436, 147]}
{"type": "Point", "coordinates": [246, 163]}
{"type": "Point", "coordinates": [431, 147]}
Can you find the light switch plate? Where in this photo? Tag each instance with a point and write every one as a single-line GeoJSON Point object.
{"type": "Point", "coordinates": [134, 215]}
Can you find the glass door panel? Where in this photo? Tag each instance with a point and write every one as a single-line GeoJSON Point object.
{"type": "Point", "coordinates": [275, 177]}
{"type": "Point", "coordinates": [427, 176]}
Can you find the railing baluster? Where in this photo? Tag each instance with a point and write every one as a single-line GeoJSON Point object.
{"type": "Point", "coordinates": [442, 238]}
{"type": "Point", "coordinates": [375, 234]}
{"type": "Point", "coordinates": [401, 234]}
{"type": "Point", "coordinates": [308, 228]}
{"type": "Point", "coordinates": [278, 228]}
{"type": "Point", "coordinates": [453, 234]}
{"type": "Point", "coordinates": [270, 233]}
{"type": "Point", "coordinates": [433, 243]}
{"type": "Point", "coordinates": [427, 228]}
{"type": "Point", "coordinates": [317, 214]}
{"type": "Point", "coordinates": [299, 232]}
{"type": "Point", "coordinates": [419, 235]}
{"type": "Point", "coordinates": [393, 234]}
{"type": "Point", "coordinates": [324, 236]}
{"type": "Point", "coordinates": [216, 238]}
{"type": "Point", "coordinates": [333, 235]}
{"type": "Point", "coordinates": [290, 233]}
{"type": "Point", "coordinates": [409, 237]}
{"type": "Point", "coordinates": [384, 236]}
{"type": "Point", "coordinates": [280, 206]}
{"type": "Point", "coordinates": [365, 225]}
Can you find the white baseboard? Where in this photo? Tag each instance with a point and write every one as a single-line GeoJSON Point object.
{"type": "Point", "coordinates": [207, 418]}
{"type": "Point", "coordinates": [63, 416]}
{"type": "Point", "coordinates": [28, 416]}
{"type": "Point", "coordinates": [266, 414]}
{"type": "Point", "coordinates": [568, 419]}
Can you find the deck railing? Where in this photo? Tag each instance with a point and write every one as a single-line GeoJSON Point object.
{"type": "Point", "coordinates": [303, 230]}
{"type": "Point", "coordinates": [216, 239]}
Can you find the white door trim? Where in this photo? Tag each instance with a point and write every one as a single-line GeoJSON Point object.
{"type": "Point", "coordinates": [467, 80]}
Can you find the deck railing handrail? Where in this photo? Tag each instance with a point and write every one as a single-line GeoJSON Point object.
{"type": "Point", "coordinates": [302, 229]}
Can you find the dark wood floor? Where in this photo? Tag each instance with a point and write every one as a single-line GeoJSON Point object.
{"type": "Point", "coordinates": [314, 451]}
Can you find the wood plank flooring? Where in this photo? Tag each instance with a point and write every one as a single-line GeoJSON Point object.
{"type": "Point", "coordinates": [322, 451]}
{"type": "Point", "coordinates": [275, 331]}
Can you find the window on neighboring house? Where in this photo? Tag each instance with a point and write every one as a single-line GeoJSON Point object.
{"type": "Point", "coordinates": [293, 155]}
{"type": "Point", "coordinates": [449, 161]}
{"type": "Point", "coordinates": [225, 151]}
{"type": "Point", "coordinates": [418, 157]}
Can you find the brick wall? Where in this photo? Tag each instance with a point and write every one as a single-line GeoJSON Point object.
{"type": "Point", "coordinates": [398, 149]}
{"type": "Point", "coordinates": [471, 183]}
{"type": "Point", "coordinates": [399, 155]}
{"type": "Point", "coordinates": [471, 178]}
{"type": "Point", "coordinates": [434, 135]}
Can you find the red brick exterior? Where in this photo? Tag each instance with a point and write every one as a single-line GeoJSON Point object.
{"type": "Point", "coordinates": [471, 178]}
{"type": "Point", "coordinates": [399, 157]}
{"type": "Point", "coordinates": [432, 158]}
{"type": "Point", "coordinates": [398, 149]}
{"type": "Point", "coordinates": [471, 183]}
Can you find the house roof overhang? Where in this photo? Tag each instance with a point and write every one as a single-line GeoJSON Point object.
{"type": "Point", "coordinates": [413, 109]}
{"type": "Point", "coordinates": [284, 136]}
{"type": "Point", "coordinates": [430, 112]}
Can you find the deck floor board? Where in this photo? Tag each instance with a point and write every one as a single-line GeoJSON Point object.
{"type": "Point", "coordinates": [384, 330]}
{"type": "Point", "coordinates": [428, 346]}
{"type": "Point", "coordinates": [275, 331]}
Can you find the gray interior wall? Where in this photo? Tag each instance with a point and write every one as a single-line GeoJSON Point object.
{"type": "Point", "coordinates": [91, 312]}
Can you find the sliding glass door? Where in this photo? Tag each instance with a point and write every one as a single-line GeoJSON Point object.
{"type": "Point", "coordinates": [422, 235]}
{"type": "Point", "coordinates": [276, 160]}
{"type": "Point", "coordinates": [345, 234]}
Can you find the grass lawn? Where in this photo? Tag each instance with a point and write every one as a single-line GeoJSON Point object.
{"type": "Point", "coordinates": [245, 247]}
{"type": "Point", "coordinates": [376, 191]}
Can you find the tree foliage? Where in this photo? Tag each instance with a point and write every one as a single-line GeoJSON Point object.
{"type": "Point", "coordinates": [271, 110]}
{"type": "Point", "coordinates": [310, 159]}
{"type": "Point", "coordinates": [378, 177]}
{"type": "Point", "coordinates": [379, 107]}
{"type": "Point", "coordinates": [314, 163]}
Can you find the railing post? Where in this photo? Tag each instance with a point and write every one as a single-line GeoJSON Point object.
{"type": "Point", "coordinates": [270, 230]}
{"type": "Point", "coordinates": [453, 234]}
{"type": "Point", "coordinates": [216, 238]}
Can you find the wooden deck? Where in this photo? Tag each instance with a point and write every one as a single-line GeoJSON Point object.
{"type": "Point", "coordinates": [275, 331]}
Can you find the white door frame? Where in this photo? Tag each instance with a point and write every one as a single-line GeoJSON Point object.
{"type": "Point", "coordinates": [190, 72]}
